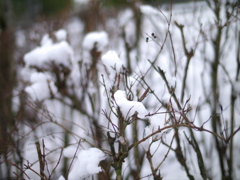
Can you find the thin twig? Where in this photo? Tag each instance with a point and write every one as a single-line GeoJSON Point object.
{"type": "Point", "coordinates": [73, 158]}
{"type": "Point", "coordinates": [18, 168]}
{"type": "Point", "coordinates": [59, 159]}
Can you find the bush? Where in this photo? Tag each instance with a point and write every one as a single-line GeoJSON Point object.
{"type": "Point", "coordinates": [157, 89]}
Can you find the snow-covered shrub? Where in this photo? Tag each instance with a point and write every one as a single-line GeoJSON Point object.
{"type": "Point", "coordinates": [130, 105]}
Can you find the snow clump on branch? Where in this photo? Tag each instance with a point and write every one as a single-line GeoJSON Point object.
{"type": "Point", "coordinates": [41, 57]}
{"type": "Point", "coordinates": [98, 40]}
{"type": "Point", "coordinates": [42, 87]}
{"type": "Point", "coordinates": [112, 67]}
{"type": "Point", "coordinates": [61, 35]}
{"type": "Point", "coordinates": [129, 108]}
{"type": "Point", "coordinates": [87, 164]}
{"type": "Point", "coordinates": [94, 43]}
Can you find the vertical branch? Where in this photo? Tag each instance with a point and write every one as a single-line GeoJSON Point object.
{"type": "Point", "coordinates": [92, 16]}
{"type": "Point", "coordinates": [128, 51]}
{"type": "Point", "coordinates": [230, 159]}
{"type": "Point", "coordinates": [135, 139]}
{"type": "Point", "coordinates": [216, 123]}
{"type": "Point", "coordinates": [73, 159]}
{"type": "Point", "coordinates": [138, 155]}
{"type": "Point", "coordinates": [232, 106]}
{"type": "Point", "coordinates": [118, 158]}
{"type": "Point", "coordinates": [41, 160]}
{"type": "Point", "coordinates": [7, 81]}
{"type": "Point", "coordinates": [156, 176]}
{"type": "Point", "coordinates": [178, 151]}
{"type": "Point", "coordinates": [189, 55]}
{"type": "Point", "coordinates": [65, 160]}
{"type": "Point", "coordinates": [238, 56]}
{"type": "Point", "coordinates": [196, 148]}
{"type": "Point", "coordinates": [179, 154]}
{"type": "Point", "coordinates": [135, 5]}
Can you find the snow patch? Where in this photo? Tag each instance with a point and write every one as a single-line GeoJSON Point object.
{"type": "Point", "coordinates": [86, 163]}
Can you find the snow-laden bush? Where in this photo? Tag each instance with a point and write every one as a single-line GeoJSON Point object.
{"type": "Point", "coordinates": [161, 91]}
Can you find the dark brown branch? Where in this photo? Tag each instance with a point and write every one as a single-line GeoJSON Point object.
{"type": "Point", "coordinates": [176, 126]}
{"type": "Point", "coordinates": [188, 54]}
{"type": "Point", "coordinates": [18, 168]}
{"type": "Point", "coordinates": [41, 161]}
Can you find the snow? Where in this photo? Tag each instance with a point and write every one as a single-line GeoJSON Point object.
{"type": "Point", "coordinates": [112, 61]}
{"type": "Point", "coordinates": [132, 84]}
{"type": "Point", "coordinates": [41, 88]}
{"type": "Point", "coordinates": [124, 17]}
{"type": "Point", "coordinates": [128, 108]}
{"type": "Point", "coordinates": [122, 140]}
{"type": "Point", "coordinates": [46, 40]}
{"type": "Point", "coordinates": [149, 10]}
{"type": "Point", "coordinates": [145, 144]}
{"type": "Point", "coordinates": [98, 39]}
{"type": "Point", "coordinates": [60, 53]}
{"type": "Point", "coordinates": [69, 151]}
{"type": "Point", "coordinates": [75, 28]}
{"type": "Point", "coordinates": [61, 35]}
{"type": "Point", "coordinates": [20, 38]}
{"type": "Point", "coordinates": [113, 66]}
{"type": "Point", "coordinates": [86, 163]}
{"type": "Point", "coordinates": [61, 178]}
{"type": "Point", "coordinates": [156, 122]}
{"type": "Point", "coordinates": [41, 57]}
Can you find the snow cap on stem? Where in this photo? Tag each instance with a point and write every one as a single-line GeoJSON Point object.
{"type": "Point", "coordinates": [129, 108]}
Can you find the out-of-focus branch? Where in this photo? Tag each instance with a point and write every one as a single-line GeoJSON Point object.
{"type": "Point", "coordinates": [176, 126]}
{"type": "Point", "coordinates": [18, 169]}
{"type": "Point", "coordinates": [189, 55]}
{"type": "Point", "coordinates": [166, 155]}
{"type": "Point", "coordinates": [155, 171]}
{"type": "Point", "coordinates": [41, 161]}
{"type": "Point", "coordinates": [196, 148]}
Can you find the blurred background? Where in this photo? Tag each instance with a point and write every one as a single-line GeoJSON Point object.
{"type": "Point", "coordinates": [23, 12]}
